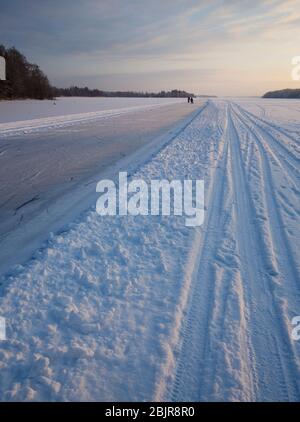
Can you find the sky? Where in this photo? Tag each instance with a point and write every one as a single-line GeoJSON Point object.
{"type": "Point", "coordinates": [202, 46]}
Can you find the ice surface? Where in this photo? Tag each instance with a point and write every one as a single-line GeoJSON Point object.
{"type": "Point", "coordinates": [33, 115]}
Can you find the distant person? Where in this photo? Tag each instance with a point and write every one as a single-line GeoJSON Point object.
{"type": "Point", "coordinates": [188, 99]}
{"type": "Point", "coordinates": [192, 100]}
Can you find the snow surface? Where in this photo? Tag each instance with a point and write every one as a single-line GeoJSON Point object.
{"type": "Point", "coordinates": [26, 116]}
{"type": "Point", "coordinates": [144, 308]}
{"type": "Point", "coordinates": [45, 174]}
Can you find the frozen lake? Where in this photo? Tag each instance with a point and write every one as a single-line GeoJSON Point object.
{"type": "Point", "coordinates": [143, 308]}
{"type": "Point", "coordinates": [12, 111]}
{"type": "Point", "coordinates": [42, 161]}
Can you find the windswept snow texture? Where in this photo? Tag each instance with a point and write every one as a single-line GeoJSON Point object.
{"type": "Point", "coordinates": [144, 308]}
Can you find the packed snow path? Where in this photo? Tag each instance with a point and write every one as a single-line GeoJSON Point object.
{"type": "Point", "coordinates": [144, 308]}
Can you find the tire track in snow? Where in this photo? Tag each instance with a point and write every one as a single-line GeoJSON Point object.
{"type": "Point", "coordinates": [283, 359]}
{"type": "Point", "coordinates": [281, 162]}
{"type": "Point", "coordinates": [194, 326]}
{"type": "Point", "coordinates": [271, 125]}
{"type": "Point", "coordinates": [265, 368]}
{"type": "Point", "coordinates": [291, 173]}
{"type": "Point", "coordinates": [208, 368]}
{"type": "Point", "coordinates": [250, 245]}
{"type": "Point", "coordinates": [163, 390]}
{"type": "Point", "coordinates": [292, 162]}
{"type": "Point", "coordinates": [270, 192]}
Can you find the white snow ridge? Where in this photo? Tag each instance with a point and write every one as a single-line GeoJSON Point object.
{"type": "Point", "coordinates": [145, 308]}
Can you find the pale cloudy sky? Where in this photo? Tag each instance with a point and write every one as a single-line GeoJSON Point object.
{"type": "Point", "coordinates": [218, 47]}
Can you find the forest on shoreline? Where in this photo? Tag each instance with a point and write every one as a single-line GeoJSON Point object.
{"type": "Point", "coordinates": [26, 80]}
{"type": "Point", "coordinates": [23, 79]}
{"type": "Point", "coordinates": [283, 93]}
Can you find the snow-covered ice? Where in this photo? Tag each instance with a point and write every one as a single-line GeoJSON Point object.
{"type": "Point", "coordinates": [27, 116]}
{"type": "Point", "coordinates": [44, 174]}
{"type": "Point", "coordinates": [12, 111]}
{"type": "Point", "coordinates": [145, 308]}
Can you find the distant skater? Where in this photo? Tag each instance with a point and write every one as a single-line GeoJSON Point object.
{"type": "Point", "coordinates": [192, 100]}
{"type": "Point", "coordinates": [189, 99]}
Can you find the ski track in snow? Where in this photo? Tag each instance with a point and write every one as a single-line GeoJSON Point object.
{"type": "Point", "coordinates": [144, 308]}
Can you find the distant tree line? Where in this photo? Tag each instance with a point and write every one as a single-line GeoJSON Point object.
{"type": "Point", "coordinates": [23, 79]}
{"type": "Point", "coordinates": [283, 93]}
{"type": "Point", "coordinates": [75, 91]}
{"type": "Point", "coordinates": [26, 80]}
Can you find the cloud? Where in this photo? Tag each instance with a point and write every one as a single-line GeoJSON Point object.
{"type": "Point", "coordinates": [81, 38]}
